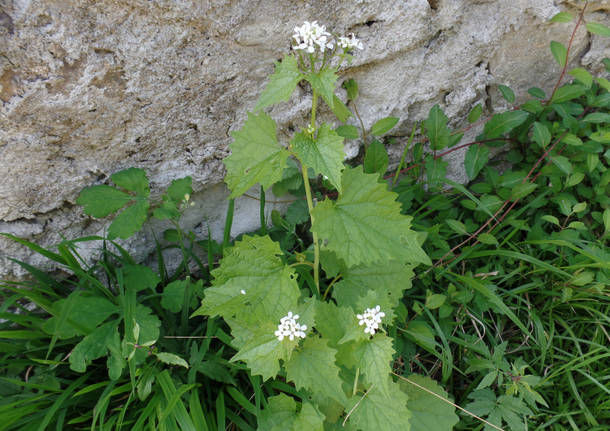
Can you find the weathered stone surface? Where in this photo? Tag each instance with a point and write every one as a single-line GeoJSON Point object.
{"type": "Point", "coordinates": [89, 88]}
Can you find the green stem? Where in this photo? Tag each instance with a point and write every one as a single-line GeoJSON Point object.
{"type": "Point", "coordinates": [226, 241]}
{"type": "Point", "coordinates": [404, 154]}
{"type": "Point", "coordinates": [262, 212]}
{"type": "Point", "coordinates": [361, 124]}
{"type": "Point", "coordinates": [314, 104]}
{"type": "Point", "coordinates": [316, 244]}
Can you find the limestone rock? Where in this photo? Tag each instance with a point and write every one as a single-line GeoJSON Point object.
{"type": "Point", "coordinates": [90, 88]}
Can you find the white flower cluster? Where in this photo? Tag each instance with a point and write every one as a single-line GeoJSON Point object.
{"type": "Point", "coordinates": [350, 43]}
{"type": "Point", "coordinates": [371, 318]}
{"type": "Point", "coordinates": [311, 35]}
{"type": "Point", "coordinates": [289, 327]}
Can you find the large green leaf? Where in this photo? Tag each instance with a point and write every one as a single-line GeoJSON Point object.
{"type": "Point", "coordinates": [429, 412]}
{"type": "Point", "coordinates": [129, 221]}
{"type": "Point", "coordinates": [324, 83]}
{"type": "Point", "coordinates": [387, 280]}
{"type": "Point", "coordinates": [93, 346]}
{"type": "Point", "coordinates": [365, 224]}
{"type": "Point", "coordinates": [313, 367]}
{"type": "Point", "coordinates": [79, 315]}
{"type": "Point", "coordinates": [256, 157]}
{"type": "Point", "coordinates": [324, 155]}
{"type": "Point", "coordinates": [436, 128]}
{"type": "Point", "coordinates": [139, 277]}
{"type": "Point", "coordinates": [568, 92]}
{"type": "Point", "coordinates": [338, 325]}
{"type": "Point", "coordinates": [100, 201]}
{"type": "Point", "coordinates": [375, 357]}
{"type": "Point", "coordinates": [280, 415]}
{"type": "Point", "coordinates": [132, 179]}
{"type": "Point", "coordinates": [252, 283]}
{"type": "Point", "coordinates": [281, 83]}
{"type": "Point", "coordinates": [504, 123]}
{"type": "Point", "coordinates": [374, 411]}
{"type": "Point", "coordinates": [260, 349]}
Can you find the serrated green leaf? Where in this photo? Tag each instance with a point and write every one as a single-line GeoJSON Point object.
{"type": "Point", "coordinates": [376, 159]}
{"type": "Point", "coordinates": [568, 92]}
{"type": "Point", "coordinates": [562, 17]}
{"type": "Point", "coordinates": [308, 419]}
{"type": "Point", "coordinates": [475, 113]}
{"type": "Point", "coordinates": [173, 296]}
{"type": "Point", "coordinates": [171, 359]}
{"type": "Point", "coordinates": [348, 131]}
{"type": "Point", "coordinates": [521, 190]}
{"type": "Point", "coordinates": [167, 211]}
{"type": "Point", "coordinates": [436, 128]}
{"type": "Point", "coordinates": [324, 83]}
{"type": "Point", "coordinates": [563, 164]}
{"type": "Point", "coordinates": [260, 349]}
{"type": "Point", "coordinates": [507, 93]}
{"type": "Point", "coordinates": [374, 411]}
{"type": "Point", "coordinates": [387, 281]}
{"type": "Point", "coordinates": [428, 412]}
{"type": "Point", "coordinates": [279, 415]}
{"type": "Point", "coordinates": [583, 76]}
{"type": "Point", "coordinates": [129, 221]}
{"type": "Point", "coordinates": [504, 123]}
{"type": "Point", "coordinates": [139, 277]}
{"type": "Point", "coordinates": [475, 159]}
{"type": "Point", "coordinates": [338, 325]}
{"type": "Point", "coordinates": [281, 83]}
{"type": "Point", "coordinates": [375, 357]}
{"type": "Point", "coordinates": [297, 212]}
{"type": "Point", "coordinates": [599, 29]}
{"type": "Point", "coordinates": [383, 126]}
{"type": "Point", "coordinates": [313, 367]}
{"type": "Point", "coordinates": [132, 179]}
{"type": "Point", "coordinates": [256, 156]}
{"type": "Point", "coordinates": [102, 200]}
{"type": "Point", "coordinates": [351, 87]}
{"type": "Point", "coordinates": [541, 134]}
{"type": "Point", "coordinates": [324, 155]}
{"type": "Point", "coordinates": [364, 225]}
{"type": "Point", "coordinates": [559, 52]}
{"type": "Point", "coordinates": [179, 188]}
{"type": "Point", "coordinates": [255, 267]}
{"type": "Point", "coordinates": [93, 346]}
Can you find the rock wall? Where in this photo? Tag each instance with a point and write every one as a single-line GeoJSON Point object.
{"type": "Point", "coordinates": [91, 87]}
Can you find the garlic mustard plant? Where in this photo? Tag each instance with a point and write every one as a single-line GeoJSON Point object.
{"type": "Point", "coordinates": [371, 318]}
{"type": "Point", "coordinates": [311, 36]}
{"type": "Point", "coordinates": [289, 327]}
{"type": "Point", "coordinates": [360, 240]}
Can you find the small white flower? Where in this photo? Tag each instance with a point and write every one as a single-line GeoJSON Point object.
{"type": "Point", "coordinates": [289, 327]}
{"type": "Point", "coordinates": [243, 292]}
{"type": "Point", "coordinates": [371, 318]}
{"type": "Point", "coordinates": [311, 36]}
{"type": "Point", "coordinates": [350, 43]}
